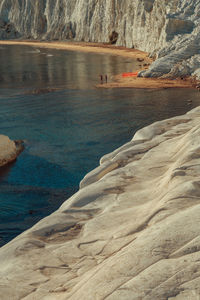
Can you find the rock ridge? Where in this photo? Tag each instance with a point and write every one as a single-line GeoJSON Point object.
{"type": "Point", "coordinates": [130, 232]}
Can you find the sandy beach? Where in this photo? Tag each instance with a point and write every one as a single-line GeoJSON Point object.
{"type": "Point", "coordinates": [147, 83]}
{"type": "Point", "coordinates": [83, 47]}
{"type": "Point", "coordinates": [101, 48]}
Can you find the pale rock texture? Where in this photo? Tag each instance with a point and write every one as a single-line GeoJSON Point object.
{"type": "Point", "coordinates": [9, 150]}
{"type": "Point", "coordinates": [131, 232]}
{"type": "Point", "coordinates": [168, 29]}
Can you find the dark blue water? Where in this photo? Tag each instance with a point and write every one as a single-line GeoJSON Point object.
{"type": "Point", "coordinates": [48, 98]}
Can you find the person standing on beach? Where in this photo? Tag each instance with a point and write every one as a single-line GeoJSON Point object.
{"type": "Point", "coordinates": [101, 78]}
{"type": "Point", "coordinates": [106, 78]}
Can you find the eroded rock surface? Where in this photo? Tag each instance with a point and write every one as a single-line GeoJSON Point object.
{"type": "Point", "coordinates": [168, 29]}
{"type": "Point", "coordinates": [131, 232]}
{"type": "Point", "coordinates": [9, 150]}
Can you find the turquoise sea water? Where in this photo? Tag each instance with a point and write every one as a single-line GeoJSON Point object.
{"type": "Point", "coordinates": [48, 98]}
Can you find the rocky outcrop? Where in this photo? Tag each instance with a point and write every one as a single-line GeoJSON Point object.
{"type": "Point", "coordinates": [168, 29]}
{"type": "Point", "coordinates": [9, 150]}
{"type": "Point", "coordinates": [179, 55]}
{"type": "Point", "coordinates": [131, 232]}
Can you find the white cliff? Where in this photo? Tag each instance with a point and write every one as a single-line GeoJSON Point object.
{"type": "Point", "coordinates": [131, 232]}
{"type": "Point", "coordinates": [167, 29]}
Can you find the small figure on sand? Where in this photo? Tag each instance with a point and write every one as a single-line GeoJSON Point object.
{"type": "Point", "coordinates": [101, 78]}
{"type": "Point", "coordinates": [106, 78]}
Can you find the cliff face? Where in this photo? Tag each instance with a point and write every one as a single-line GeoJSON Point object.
{"type": "Point", "coordinates": [131, 232]}
{"type": "Point", "coordinates": [168, 28]}
{"type": "Point", "coordinates": [88, 20]}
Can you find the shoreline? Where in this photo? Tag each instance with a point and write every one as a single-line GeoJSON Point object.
{"type": "Point", "coordinates": [117, 81]}
{"type": "Point", "coordinates": [147, 83]}
{"type": "Point", "coordinates": [99, 48]}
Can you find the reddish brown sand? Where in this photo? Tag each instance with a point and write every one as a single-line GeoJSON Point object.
{"type": "Point", "coordinates": [147, 83]}
{"type": "Point", "coordinates": [100, 48]}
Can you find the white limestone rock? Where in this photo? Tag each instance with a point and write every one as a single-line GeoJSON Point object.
{"type": "Point", "coordinates": [180, 54]}
{"type": "Point", "coordinates": [131, 232]}
{"type": "Point", "coordinates": [168, 29]}
{"type": "Point", "coordinates": [9, 150]}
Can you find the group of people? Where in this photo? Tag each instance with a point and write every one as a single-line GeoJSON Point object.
{"type": "Point", "coordinates": [102, 78]}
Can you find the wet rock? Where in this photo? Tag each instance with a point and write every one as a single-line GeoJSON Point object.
{"type": "Point", "coordinates": [41, 91]}
{"type": "Point", "coordinates": [19, 145]}
{"type": "Point", "coordinates": [9, 150]}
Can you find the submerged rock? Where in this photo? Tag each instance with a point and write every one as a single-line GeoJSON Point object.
{"type": "Point", "coordinates": [169, 29]}
{"type": "Point", "coordinates": [130, 232]}
{"type": "Point", "coordinates": [41, 91]}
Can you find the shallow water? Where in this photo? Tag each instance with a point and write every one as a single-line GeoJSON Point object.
{"type": "Point", "coordinates": [66, 130]}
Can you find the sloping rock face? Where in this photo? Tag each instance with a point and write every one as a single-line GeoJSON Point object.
{"type": "Point", "coordinates": [168, 29]}
{"type": "Point", "coordinates": [132, 231]}
{"type": "Point", "coordinates": [179, 55]}
{"type": "Point", "coordinates": [9, 150]}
